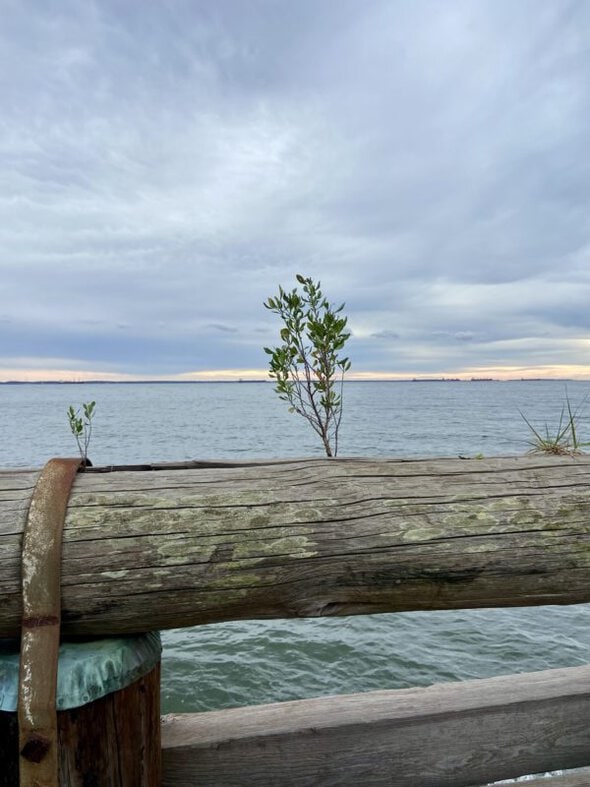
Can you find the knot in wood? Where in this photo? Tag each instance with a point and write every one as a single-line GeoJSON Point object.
{"type": "Point", "coordinates": [35, 748]}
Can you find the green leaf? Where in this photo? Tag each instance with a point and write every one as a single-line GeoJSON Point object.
{"type": "Point", "coordinates": [305, 366]}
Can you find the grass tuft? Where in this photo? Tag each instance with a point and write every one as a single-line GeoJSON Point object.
{"type": "Point", "coordinates": [564, 439]}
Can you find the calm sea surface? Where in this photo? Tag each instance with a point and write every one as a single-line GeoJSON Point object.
{"type": "Point", "coordinates": [255, 662]}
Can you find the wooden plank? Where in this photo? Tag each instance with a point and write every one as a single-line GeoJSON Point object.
{"type": "Point", "coordinates": [178, 547]}
{"type": "Point", "coordinates": [448, 735]}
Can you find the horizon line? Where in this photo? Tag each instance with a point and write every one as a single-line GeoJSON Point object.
{"type": "Point", "coordinates": [66, 372]}
{"type": "Point", "coordinates": [255, 381]}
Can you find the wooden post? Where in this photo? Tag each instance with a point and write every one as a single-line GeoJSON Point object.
{"type": "Point", "coordinates": [110, 742]}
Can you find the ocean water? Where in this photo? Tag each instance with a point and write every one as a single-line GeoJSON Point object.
{"type": "Point", "coordinates": [249, 662]}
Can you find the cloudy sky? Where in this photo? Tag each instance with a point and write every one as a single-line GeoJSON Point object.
{"type": "Point", "coordinates": [166, 164]}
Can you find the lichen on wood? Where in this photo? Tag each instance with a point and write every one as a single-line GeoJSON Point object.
{"type": "Point", "coordinates": [178, 547]}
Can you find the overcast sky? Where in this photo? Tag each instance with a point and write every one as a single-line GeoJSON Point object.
{"type": "Point", "coordinates": [166, 164]}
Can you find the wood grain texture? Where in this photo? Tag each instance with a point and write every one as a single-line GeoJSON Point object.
{"type": "Point", "coordinates": [157, 549]}
{"type": "Point", "coordinates": [112, 742]}
{"type": "Point", "coordinates": [448, 735]}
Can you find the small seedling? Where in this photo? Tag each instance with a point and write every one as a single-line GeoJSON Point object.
{"type": "Point", "coordinates": [81, 428]}
{"type": "Point", "coordinates": [564, 439]}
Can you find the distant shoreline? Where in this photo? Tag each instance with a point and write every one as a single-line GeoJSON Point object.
{"type": "Point", "coordinates": [265, 382]}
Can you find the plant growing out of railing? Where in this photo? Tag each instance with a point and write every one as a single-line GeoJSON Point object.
{"type": "Point", "coordinates": [81, 428]}
{"type": "Point", "coordinates": [307, 367]}
{"type": "Point", "coordinates": [563, 439]}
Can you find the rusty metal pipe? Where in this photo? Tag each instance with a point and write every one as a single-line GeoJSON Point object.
{"type": "Point", "coordinates": [41, 617]}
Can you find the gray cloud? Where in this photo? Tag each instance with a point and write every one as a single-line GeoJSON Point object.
{"type": "Point", "coordinates": [385, 335]}
{"type": "Point", "coordinates": [222, 328]}
{"type": "Point", "coordinates": [166, 166]}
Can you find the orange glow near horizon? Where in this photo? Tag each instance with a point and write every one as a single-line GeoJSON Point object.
{"type": "Point", "coordinates": [577, 372]}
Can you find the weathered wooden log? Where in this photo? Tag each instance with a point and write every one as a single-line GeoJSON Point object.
{"type": "Point", "coordinates": [448, 735]}
{"type": "Point", "coordinates": [177, 547]}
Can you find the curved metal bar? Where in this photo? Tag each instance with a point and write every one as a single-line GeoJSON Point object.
{"type": "Point", "coordinates": [40, 582]}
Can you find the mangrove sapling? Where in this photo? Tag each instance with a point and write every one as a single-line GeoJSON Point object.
{"type": "Point", "coordinates": [308, 370]}
{"type": "Point", "coordinates": [81, 428]}
{"type": "Point", "coordinates": [564, 439]}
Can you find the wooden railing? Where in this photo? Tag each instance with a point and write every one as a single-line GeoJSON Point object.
{"type": "Point", "coordinates": [206, 542]}
{"type": "Point", "coordinates": [449, 735]}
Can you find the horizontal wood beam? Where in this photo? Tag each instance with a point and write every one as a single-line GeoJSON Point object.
{"type": "Point", "coordinates": [156, 549]}
{"type": "Point", "coordinates": [448, 735]}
